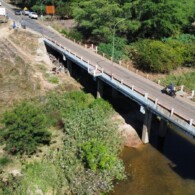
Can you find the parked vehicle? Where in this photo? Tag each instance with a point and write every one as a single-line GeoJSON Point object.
{"type": "Point", "coordinates": [3, 15]}
{"type": "Point", "coordinates": [26, 12]}
{"type": "Point", "coordinates": [33, 15]}
{"type": "Point", "coordinates": [18, 12]}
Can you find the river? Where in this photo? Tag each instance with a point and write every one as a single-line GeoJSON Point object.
{"type": "Point", "coordinates": [164, 167]}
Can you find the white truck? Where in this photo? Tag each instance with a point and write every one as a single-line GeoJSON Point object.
{"type": "Point", "coordinates": [3, 15]}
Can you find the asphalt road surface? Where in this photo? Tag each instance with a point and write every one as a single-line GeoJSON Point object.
{"type": "Point", "coordinates": [180, 105]}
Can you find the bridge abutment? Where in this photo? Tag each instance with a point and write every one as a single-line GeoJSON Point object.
{"type": "Point", "coordinates": [146, 126]}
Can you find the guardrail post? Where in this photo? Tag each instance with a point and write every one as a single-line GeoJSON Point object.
{"type": "Point", "coordinates": [172, 111]}
{"type": "Point", "coordinates": [96, 49]}
{"type": "Point", "coordinates": [182, 87]}
{"type": "Point", "coordinates": [159, 82]}
{"type": "Point", "coordinates": [192, 94]}
{"type": "Point", "coordinates": [112, 76]}
{"type": "Point", "coordinates": [156, 102]}
{"type": "Point", "coordinates": [146, 126]}
{"type": "Point", "coordinates": [146, 95]}
{"type": "Point", "coordinates": [191, 121]}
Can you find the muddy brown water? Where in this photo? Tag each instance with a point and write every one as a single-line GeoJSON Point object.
{"type": "Point", "coordinates": [164, 167]}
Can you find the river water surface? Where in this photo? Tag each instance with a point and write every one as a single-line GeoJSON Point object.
{"type": "Point", "coordinates": [161, 167]}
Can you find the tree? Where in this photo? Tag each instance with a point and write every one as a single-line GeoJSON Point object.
{"type": "Point", "coordinates": [97, 17]}
{"type": "Point", "coordinates": [162, 18]}
{"type": "Point", "coordinates": [25, 129]}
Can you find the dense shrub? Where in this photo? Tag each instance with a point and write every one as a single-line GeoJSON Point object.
{"type": "Point", "coordinates": [88, 161]}
{"type": "Point", "coordinates": [155, 56]}
{"type": "Point", "coordinates": [107, 48]}
{"type": "Point", "coordinates": [189, 55]}
{"type": "Point", "coordinates": [185, 46]}
{"type": "Point", "coordinates": [73, 34]}
{"type": "Point", "coordinates": [65, 103]}
{"type": "Point", "coordinates": [25, 129]}
{"type": "Point", "coordinates": [183, 38]}
{"type": "Point", "coordinates": [87, 122]}
{"type": "Point", "coordinates": [97, 156]}
{"type": "Point", "coordinates": [4, 160]}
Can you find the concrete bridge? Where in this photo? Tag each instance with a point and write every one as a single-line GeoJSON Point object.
{"type": "Point", "coordinates": [146, 93]}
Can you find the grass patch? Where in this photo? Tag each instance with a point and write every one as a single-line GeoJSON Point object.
{"type": "Point", "coordinates": [4, 161]}
{"type": "Point", "coordinates": [41, 176]}
{"type": "Point", "coordinates": [52, 79]}
{"type": "Point", "coordinates": [186, 79]}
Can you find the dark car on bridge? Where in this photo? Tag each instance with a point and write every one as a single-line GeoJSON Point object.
{"type": "Point", "coordinates": [18, 12]}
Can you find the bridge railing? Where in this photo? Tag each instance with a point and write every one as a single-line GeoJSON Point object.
{"type": "Point", "coordinates": [122, 82]}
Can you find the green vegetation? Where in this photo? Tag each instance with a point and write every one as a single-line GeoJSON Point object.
{"type": "Point", "coordinates": [43, 176]}
{"type": "Point", "coordinates": [165, 27]}
{"type": "Point", "coordinates": [25, 129]}
{"type": "Point", "coordinates": [156, 35]}
{"type": "Point", "coordinates": [4, 161]}
{"type": "Point", "coordinates": [186, 79]}
{"type": "Point", "coordinates": [119, 49]}
{"type": "Point", "coordinates": [96, 156]}
{"type": "Point", "coordinates": [155, 56]}
{"type": "Point", "coordinates": [73, 34]}
{"type": "Point", "coordinates": [53, 79]}
{"type": "Point", "coordinates": [85, 163]}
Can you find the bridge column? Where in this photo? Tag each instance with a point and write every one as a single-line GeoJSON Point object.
{"type": "Point", "coordinates": [99, 88]}
{"type": "Point", "coordinates": [146, 126]}
{"type": "Point", "coordinates": [114, 93]}
{"type": "Point", "coordinates": [162, 128]}
{"type": "Point", "coordinates": [69, 67]}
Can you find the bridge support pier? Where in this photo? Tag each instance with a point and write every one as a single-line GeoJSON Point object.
{"type": "Point", "coordinates": [99, 88]}
{"type": "Point", "coordinates": [146, 126]}
{"type": "Point", "coordinates": [162, 128]}
{"type": "Point", "coordinates": [69, 67]}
